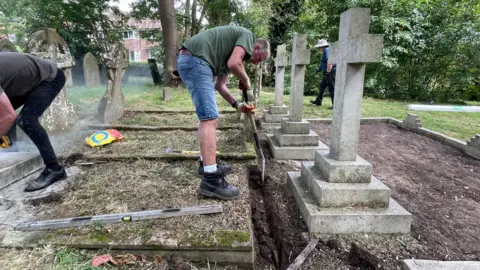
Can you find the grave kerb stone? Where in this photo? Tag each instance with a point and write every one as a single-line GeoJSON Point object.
{"type": "Point", "coordinates": [354, 49]}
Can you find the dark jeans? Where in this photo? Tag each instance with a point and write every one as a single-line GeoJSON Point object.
{"type": "Point", "coordinates": [34, 104]}
{"type": "Point", "coordinates": [328, 80]}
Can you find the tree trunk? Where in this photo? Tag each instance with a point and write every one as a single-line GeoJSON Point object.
{"type": "Point", "coordinates": [187, 19]}
{"type": "Point", "coordinates": [205, 6]}
{"type": "Point", "coordinates": [169, 33]}
{"type": "Point", "coordinates": [194, 18]}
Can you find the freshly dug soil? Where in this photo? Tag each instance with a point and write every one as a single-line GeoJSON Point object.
{"type": "Point", "coordinates": [433, 181]}
{"type": "Point", "coordinates": [171, 119]}
{"type": "Point", "coordinates": [148, 142]}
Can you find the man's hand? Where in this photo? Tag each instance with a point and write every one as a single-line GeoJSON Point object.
{"type": "Point", "coordinates": [245, 108]}
{"type": "Point", "coordinates": [245, 87]}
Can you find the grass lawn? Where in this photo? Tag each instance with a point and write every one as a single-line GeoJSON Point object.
{"type": "Point", "coordinates": [141, 93]}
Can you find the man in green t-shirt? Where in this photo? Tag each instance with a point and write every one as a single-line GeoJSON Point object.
{"type": "Point", "coordinates": [217, 52]}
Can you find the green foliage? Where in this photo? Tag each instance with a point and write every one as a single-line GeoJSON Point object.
{"type": "Point", "coordinates": [430, 47]}
{"type": "Point", "coordinates": [86, 25]}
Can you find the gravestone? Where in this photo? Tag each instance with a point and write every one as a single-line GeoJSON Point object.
{"type": "Point", "coordinates": [7, 46]}
{"type": "Point", "coordinates": [48, 44]}
{"type": "Point", "coordinates": [91, 71]}
{"type": "Point", "coordinates": [157, 79]}
{"type": "Point", "coordinates": [112, 104]}
{"type": "Point", "coordinates": [167, 93]}
{"type": "Point", "coordinates": [257, 82]}
{"type": "Point", "coordinates": [16, 165]}
{"type": "Point", "coordinates": [294, 139]}
{"type": "Point", "coordinates": [337, 193]}
{"type": "Point", "coordinates": [273, 116]}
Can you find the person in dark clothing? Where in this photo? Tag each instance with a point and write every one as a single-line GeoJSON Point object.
{"type": "Point", "coordinates": [34, 83]}
{"type": "Point", "coordinates": [328, 74]}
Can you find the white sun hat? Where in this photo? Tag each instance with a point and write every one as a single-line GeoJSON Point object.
{"type": "Point", "coordinates": [321, 43]}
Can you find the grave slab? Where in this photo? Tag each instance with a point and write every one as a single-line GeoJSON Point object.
{"type": "Point", "coordinates": [283, 109]}
{"type": "Point", "coordinates": [118, 187]}
{"type": "Point", "coordinates": [16, 165]}
{"type": "Point", "coordinates": [374, 194]}
{"type": "Point", "coordinates": [293, 152]}
{"type": "Point", "coordinates": [357, 171]}
{"type": "Point", "coordinates": [392, 220]}
{"type": "Point", "coordinates": [440, 265]}
{"type": "Point", "coordinates": [273, 118]}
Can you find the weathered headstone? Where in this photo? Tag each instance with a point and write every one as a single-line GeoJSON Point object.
{"type": "Point", "coordinates": [257, 83]}
{"type": "Point", "coordinates": [294, 139]}
{"type": "Point", "coordinates": [7, 46]}
{"type": "Point", "coordinates": [157, 79]}
{"type": "Point", "coordinates": [167, 93]}
{"type": "Point", "coordinates": [91, 71]}
{"type": "Point", "coordinates": [277, 111]}
{"type": "Point", "coordinates": [337, 193]}
{"type": "Point", "coordinates": [48, 44]}
{"type": "Point", "coordinates": [112, 104]}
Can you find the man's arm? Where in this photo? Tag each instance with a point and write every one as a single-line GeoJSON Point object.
{"type": "Point", "coordinates": [7, 114]}
{"type": "Point", "coordinates": [221, 86]}
{"type": "Point", "coordinates": [329, 68]}
{"type": "Point", "coordinates": [235, 64]}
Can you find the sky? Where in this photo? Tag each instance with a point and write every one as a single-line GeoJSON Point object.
{"type": "Point", "coordinates": [124, 5]}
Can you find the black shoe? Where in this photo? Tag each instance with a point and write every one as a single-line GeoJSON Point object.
{"type": "Point", "coordinates": [214, 185]}
{"type": "Point", "coordinates": [224, 168]}
{"type": "Point", "coordinates": [46, 178]}
{"type": "Point", "coordinates": [314, 102]}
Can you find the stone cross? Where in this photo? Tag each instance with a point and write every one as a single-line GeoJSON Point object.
{"type": "Point", "coordinates": [112, 104]}
{"type": "Point", "coordinates": [281, 61]}
{"type": "Point", "coordinates": [300, 58]}
{"type": "Point", "coordinates": [354, 49]}
{"type": "Point", "coordinates": [91, 71]}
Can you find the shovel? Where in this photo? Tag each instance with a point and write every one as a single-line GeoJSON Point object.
{"type": "Point", "coordinates": [258, 147]}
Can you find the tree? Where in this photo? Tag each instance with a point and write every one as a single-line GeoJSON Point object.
{"type": "Point", "coordinates": [84, 24]}
{"type": "Point", "coordinates": [169, 32]}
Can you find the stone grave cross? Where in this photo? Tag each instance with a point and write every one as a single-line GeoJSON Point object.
{"type": "Point", "coordinates": [300, 58]}
{"type": "Point", "coordinates": [354, 49]}
{"type": "Point", "coordinates": [281, 61]}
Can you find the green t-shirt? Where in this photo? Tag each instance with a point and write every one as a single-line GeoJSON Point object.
{"type": "Point", "coordinates": [216, 45]}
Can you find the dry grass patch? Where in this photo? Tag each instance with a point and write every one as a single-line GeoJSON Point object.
{"type": "Point", "coordinates": [154, 142]}
{"type": "Point", "coordinates": [171, 119]}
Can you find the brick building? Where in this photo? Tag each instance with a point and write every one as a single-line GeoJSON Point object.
{"type": "Point", "coordinates": [135, 39]}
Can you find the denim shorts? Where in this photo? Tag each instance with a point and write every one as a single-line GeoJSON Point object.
{"type": "Point", "coordinates": [198, 77]}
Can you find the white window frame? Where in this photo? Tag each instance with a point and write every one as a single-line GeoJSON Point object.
{"type": "Point", "coordinates": [135, 56]}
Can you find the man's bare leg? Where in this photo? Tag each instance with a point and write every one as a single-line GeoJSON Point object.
{"type": "Point", "coordinates": [207, 133]}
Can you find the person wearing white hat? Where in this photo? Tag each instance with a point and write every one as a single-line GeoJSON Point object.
{"type": "Point", "coordinates": [328, 74]}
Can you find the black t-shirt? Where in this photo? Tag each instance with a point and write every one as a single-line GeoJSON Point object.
{"type": "Point", "coordinates": [21, 73]}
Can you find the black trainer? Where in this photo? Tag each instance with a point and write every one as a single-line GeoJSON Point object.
{"type": "Point", "coordinates": [316, 103]}
{"type": "Point", "coordinates": [46, 178]}
{"type": "Point", "coordinates": [214, 185]}
{"type": "Point", "coordinates": [224, 168]}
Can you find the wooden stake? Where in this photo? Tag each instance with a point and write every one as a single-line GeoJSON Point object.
{"type": "Point", "coordinates": [117, 218]}
{"type": "Point", "coordinates": [157, 128]}
{"type": "Point", "coordinates": [303, 255]}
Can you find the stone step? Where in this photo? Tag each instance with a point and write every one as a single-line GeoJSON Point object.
{"type": "Point", "coordinates": [310, 139]}
{"type": "Point", "coordinates": [293, 152]}
{"type": "Point", "coordinates": [278, 109]}
{"type": "Point", "coordinates": [273, 118]}
{"type": "Point", "coordinates": [16, 165]}
{"type": "Point", "coordinates": [336, 171]}
{"type": "Point", "coordinates": [373, 195]}
{"type": "Point", "coordinates": [392, 220]}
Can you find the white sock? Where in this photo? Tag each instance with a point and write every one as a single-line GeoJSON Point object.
{"type": "Point", "coordinates": [210, 168]}
{"type": "Point", "coordinates": [201, 158]}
